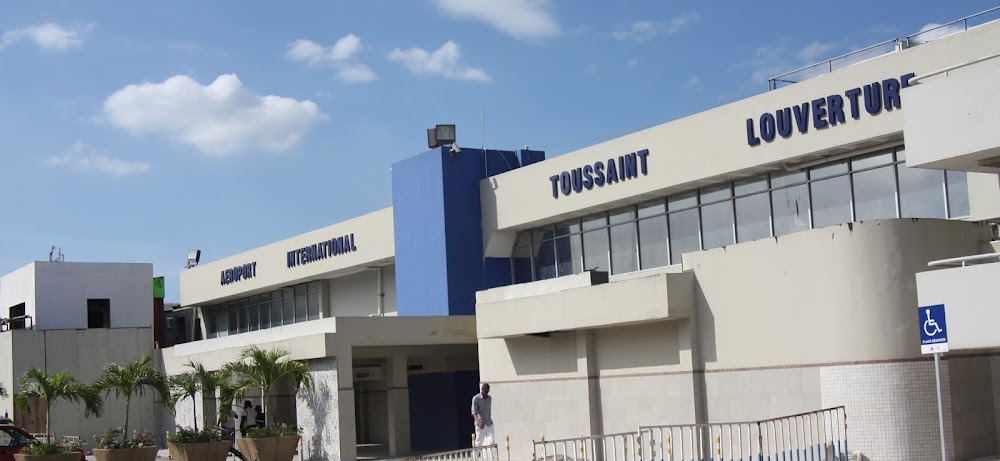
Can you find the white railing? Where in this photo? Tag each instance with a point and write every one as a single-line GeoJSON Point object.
{"type": "Point", "coordinates": [486, 453]}
{"type": "Point", "coordinates": [609, 447]}
{"type": "Point", "coordinates": [964, 260]}
{"type": "Point", "coordinates": [815, 435]}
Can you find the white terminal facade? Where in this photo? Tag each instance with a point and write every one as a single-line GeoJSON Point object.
{"type": "Point", "coordinates": [755, 260]}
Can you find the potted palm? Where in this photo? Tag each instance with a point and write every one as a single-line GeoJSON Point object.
{"type": "Point", "coordinates": [37, 384]}
{"type": "Point", "coordinates": [261, 369]}
{"type": "Point", "coordinates": [125, 380]}
{"type": "Point", "coordinates": [189, 384]}
{"type": "Point", "coordinates": [209, 443]}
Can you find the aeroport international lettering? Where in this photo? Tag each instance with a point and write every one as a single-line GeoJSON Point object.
{"type": "Point", "coordinates": [599, 174]}
{"type": "Point", "coordinates": [322, 250]}
{"type": "Point", "coordinates": [828, 111]}
{"type": "Point", "coordinates": [238, 273]}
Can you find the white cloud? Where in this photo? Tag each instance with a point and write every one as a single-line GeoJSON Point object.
{"type": "Point", "coordinates": [815, 50]}
{"type": "Point", "coordinates": [85, 158]}
{"type": "Point", "coordinates": [49, 36]}
{"type": "Point", "coordinates": [642, 31]}
{"type": "Point", "coordinates": [935, 31]}
{"type": "Point", "coordinates": [340, 56]}
{"type": "Point", "coordinates": [445, 62]}
{"type": "Point", "coordinates": [219, 118]}
{"type": "Point", "coordinates": [632, 62]}
{"type": "Point", "coordinates": [521, 19]}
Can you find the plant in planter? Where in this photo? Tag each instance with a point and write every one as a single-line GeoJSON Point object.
{"type": "Point", "coordinates": [109, 447]}
{"type": "Point", "coordinates": [274, 442]}
{"type": "Point", "coordinates": [204, 445]}
{"type": "Point", "coordinates": [133, 378]}
{"type": "Point", "coordinates": [51, 451]}
{"type": "Point", "coordinates": [59, 386]}
{"type": "Point", "coordinates": [189, 384]}
{"type": "Point", "coordinates": [261, 369]}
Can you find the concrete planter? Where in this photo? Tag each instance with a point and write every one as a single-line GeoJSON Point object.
{"type": "Point", "coordinates": [60, 457]}
{"type": "Point", "coordinates": [127, 454]}
{"type": "Point", "coordinates": [210, 451]}
{"type": "Point", "coordinates": [268, 448]}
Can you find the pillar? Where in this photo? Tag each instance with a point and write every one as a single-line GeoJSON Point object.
{"type": "Point", "coordinates": [317, 411]}
{"type": "Point", "coordinates": [398, 404]}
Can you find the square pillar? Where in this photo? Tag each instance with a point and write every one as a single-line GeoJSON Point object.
{"type": "Point", "coordinates": [317, 411]}
{"type": "Point", "coordinates": [398, 404]}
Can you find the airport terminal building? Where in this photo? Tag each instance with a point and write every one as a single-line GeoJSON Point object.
{"type": "Point", "coordinates": [755, 260]}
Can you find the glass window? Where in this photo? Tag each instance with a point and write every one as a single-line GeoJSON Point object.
{"type": "Point", "coordinates": [233, 320]}
{"type": "Point", "coordinates": [831, 198]}
{"type": "Point", "coordinates": [545, 259]}
{"type": "Point", "coordinates": [869, 161]}
{"type": "Point", "coordinates": [753, 218]}
{"type": "Point", "coordinates": [652, 209]}
{"type": "Point", "coordinates": [522, 264]}
{"type": "Point", "coordinates": [301, 307]}
{"type": "Point", "coordinates": [569, 251]}
{"type": "Point", "coordinates": [276, 313]}
{"type": "Point", "coordinates": [653, 251]}
{"type": "Point", "coordinates": [313, 300]}
{"type": "Point", "coordinates": [875, 194]}
{"type": "Point", "coordinates": [244, 319]}
{"type": "Point", "coordinates": [254, 319]}
{"type": "Point", "coordinates": [790, 204]}
{"type": "Point", "coordinates": [288, 309]}
{"type": "Point", "coordinates": [213, 325]}
{"type": "Point", "coordinates": [717, 219]}
{"type": "Point", "coordinates": [222, 320]}
{"type": "Point", "coordinates": [683, 227]}
{"type": "Point", "coordinates": [623, 248]}
{"type": "Point", "coordinates": [921, 193]}
{"type": "Point", "coordinates": [958, 194]}
{"type": "Point", "coordinates": [595, 244]}
{"type": "Point", "coordinates": [265, 315]}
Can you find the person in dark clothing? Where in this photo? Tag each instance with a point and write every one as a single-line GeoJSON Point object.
{"type": "Point", "coordinates": [260, 416]}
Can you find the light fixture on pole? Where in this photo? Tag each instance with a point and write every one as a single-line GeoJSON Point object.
{"type": "Point", "coordinates": [442, 135]}
{"type": "Point", "coordinates": [194, 256]}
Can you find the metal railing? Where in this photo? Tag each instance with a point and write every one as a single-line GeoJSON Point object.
{"type": "Point", "coordinates": [608, 447]}
{"type": "Point", "coordinates": [879, 49]}
{"type": "Point", "coordinates": [486, 453]}
{"type": "Point", "coordinates": [965, 260]}
{"type": "Point", "coordinates": [20, 322]}
{"type": "Point", "coordinates": [815, 435]}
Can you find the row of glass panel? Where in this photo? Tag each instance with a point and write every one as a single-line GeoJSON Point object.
{"type": "Point", "coordinates": [286, 306]}
{"type": "Point", "coordinates": [656, 234]}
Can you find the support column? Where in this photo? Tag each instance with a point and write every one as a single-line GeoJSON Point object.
{"type": "Point", "coordinates": [587, 361]}
{"type": "Point", "coordinates": [317, 411]}
{"type": "Point", "coordinates": [345, 391]}
{"type": "Point", "coordinates": [398, 404]}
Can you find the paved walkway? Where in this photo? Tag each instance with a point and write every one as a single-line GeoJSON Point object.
{"type": "Point", "coordinates": [164, 455]}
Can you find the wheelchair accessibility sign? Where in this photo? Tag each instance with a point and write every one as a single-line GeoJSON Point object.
{"type": "Point", "coordinates": [933, 329]}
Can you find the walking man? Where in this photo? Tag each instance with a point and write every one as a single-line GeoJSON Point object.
{"type": "Point", "coordinates": [482, 405]}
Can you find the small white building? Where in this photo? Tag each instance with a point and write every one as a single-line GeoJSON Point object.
{"type": "Point", "coordinates": [76, 317]}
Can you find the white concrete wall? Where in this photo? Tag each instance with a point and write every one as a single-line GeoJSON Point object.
{"type": "Point", "coordinates": [373, 237]}
{"type": "Point", "coordinates": [711, 146]}
{"type": "Point", "coordinates": [19, 287]}
{"type": "Point", "coordinates": [953, 124]}
{"type": "Point", "coordinates": [62, 290]}
{"type": "Point", "coordinates": [84, 353]}
{"type": "Point", "coordinates": [969, 295]}
{"type": "Point", "coordinates": [355, 295]}
{"type": "Point", "coordinates": [7, 378]}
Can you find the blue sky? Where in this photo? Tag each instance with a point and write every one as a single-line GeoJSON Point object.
{"type": "Point", "coordinates": [134, 131]}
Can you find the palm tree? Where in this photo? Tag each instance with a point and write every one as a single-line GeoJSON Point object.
{"type": "Point", "coordinates": [208, 383]}
{"type": "Point", "coordinates": [59, 386]}
{"type": "Point", "coordinates": [133, 378]}
{"type": "Point", "coordinates": [261, 369]}
{"type": "Point", "coordinates": [183, 386]}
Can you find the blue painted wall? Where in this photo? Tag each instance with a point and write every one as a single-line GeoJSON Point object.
{"type": "Point", "coordinates": [437, 219]}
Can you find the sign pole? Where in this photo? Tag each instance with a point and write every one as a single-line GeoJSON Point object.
{"type": "Point", "coordinates": [940, 407]}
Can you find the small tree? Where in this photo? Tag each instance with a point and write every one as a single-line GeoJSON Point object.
{"type": "Point", "coordinates": [133, 378]}
{"type": "Point", "coordinates": [208, 383]}
{"type": "Point", "coordinates": [261, 369]}
{"type": "Point", "coordinates": [3, 391]}
{"type": "Point", "coordinates": [60, 386]}
{"type": "Point", "coordinates": [183, 386]}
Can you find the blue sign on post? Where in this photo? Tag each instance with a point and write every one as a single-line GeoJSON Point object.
{"type": "Point", "coordinates": [933, 329]}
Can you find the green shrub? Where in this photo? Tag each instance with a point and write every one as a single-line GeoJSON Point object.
{"type": "Point", "coordinates": [48, 448]}
{"type": "Point", "coordinates": [275, 430]}
{"type": "Point", "coordinates": [188, 435]}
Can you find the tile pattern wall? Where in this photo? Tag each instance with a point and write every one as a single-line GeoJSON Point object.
{"type": "Point", "coordinates": [184, 413]}
{"type": "Point", "coordinates": [529, 410]}
{"type": "Point", "coordinates": [631, 401]}
{"type": "Point", "coordinates": [891, 408]}
{"type": "Point", "coordinates": [317, 412]}
{"type": "Point", "coordinates": [752, 395]}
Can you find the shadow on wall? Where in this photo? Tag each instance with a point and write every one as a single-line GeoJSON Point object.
{"type": "Point", "coordinates": [539, 355]}
{"type": "Point", "coordinates": [319, 398]}
{"type": "Point", "coordinates": [640, 346]}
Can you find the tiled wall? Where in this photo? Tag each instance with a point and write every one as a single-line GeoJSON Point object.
{"type": "Point", "coordinates": [891, 408]}
{"type": "Point", "coordinates": [317, 412]}
{"type": "Point", "coordinates": [529, 410]}
{"type": "Point", "coordinates": [752, 395]}
{"type": "Point", "coordinates": [630, 401]}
